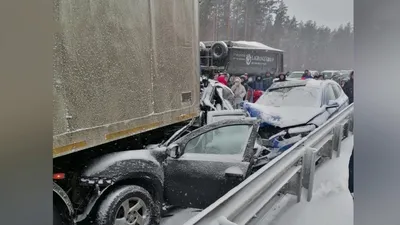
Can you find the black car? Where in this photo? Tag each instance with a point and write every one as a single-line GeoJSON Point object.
{"type": "Point", "coordinates": [194, 168]}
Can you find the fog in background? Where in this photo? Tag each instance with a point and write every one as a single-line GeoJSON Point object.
{"type": "Point", "coordinates": [320, 37]}
{"type": "Point", "coordinates": [331, 13]}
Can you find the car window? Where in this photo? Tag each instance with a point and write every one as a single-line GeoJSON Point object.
{"type": "Point", "coordinates": [228, 140]}
{"type": "Point", "coordinates": [337, 90]}
{"type": "Point", "coordinates": [327, 75]}
{"type": "Point", "coordinates": [292, 96]}
{"type": "Point", "coordinates": [329, 94]}
{"type": "Point", "coordinates": [295, 75]}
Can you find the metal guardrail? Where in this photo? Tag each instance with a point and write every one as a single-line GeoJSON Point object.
{"type": "Point", "coordinates": [287, 173]}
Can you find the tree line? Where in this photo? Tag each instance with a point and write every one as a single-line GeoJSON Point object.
{"type": "Point", "coordinates": [307, 45]}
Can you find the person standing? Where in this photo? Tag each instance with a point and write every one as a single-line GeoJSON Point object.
{"type": "Point", "coordinates": [243, 79]}
{"type": "Point", "coordinates": [306, 75]}
{"type": "Point", "coordinates": [216, 76]}
{"type": "Point", "coordinates": [348, 88]}
{"type": "Point", "coordinates": [239, 92]}
{"type": "Point", "coordinates": [351, 173]}
{"type": "Point", "coordinates": [281, 77]}
{"type": "Point", "coordinates": [268, 80]}
{"type": "Point", "coordinates": [222, 79]}
{"type": "Point", "coordinates": [258, 84]}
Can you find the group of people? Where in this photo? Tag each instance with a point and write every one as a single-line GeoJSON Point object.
{"type": "Point", "coordinates": [307, 75]}
{"type": "Point", "coordinates": [245, 88]}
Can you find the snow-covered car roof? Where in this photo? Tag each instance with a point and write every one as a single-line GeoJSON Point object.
{"type": "Point", "coordinates": [313, 72]}
{"type": "Point", "coordinates": [308, 83]}
{"type": "Point", "coordinates": [330, 71]}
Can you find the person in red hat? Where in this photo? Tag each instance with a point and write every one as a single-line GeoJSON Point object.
{"type": "Point", "coordinates": [222, 79]}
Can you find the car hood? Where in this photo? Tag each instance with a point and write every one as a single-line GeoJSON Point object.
{"type": "Point", "coordinates": [281, 116]}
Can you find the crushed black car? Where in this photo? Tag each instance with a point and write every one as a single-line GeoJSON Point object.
{"type": "Point", "coordinates": [193, 168]}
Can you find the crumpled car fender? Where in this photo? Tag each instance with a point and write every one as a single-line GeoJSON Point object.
{"type": "Point", "coordinates": [125, 165]}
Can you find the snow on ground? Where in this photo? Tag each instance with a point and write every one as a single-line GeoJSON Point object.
{"type": "Point", "coordinates": [179, 216]}
{"type": "Point", "coordinates": [332, 203]}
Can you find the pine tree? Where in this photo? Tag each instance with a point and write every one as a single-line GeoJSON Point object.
{"type": "Point", "coordinates": [306, 44]}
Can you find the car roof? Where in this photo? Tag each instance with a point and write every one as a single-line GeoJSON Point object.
{"type": "Point", "coordinates": [330, 71]}
{"type": "Point", "coordinates": [307, 83]}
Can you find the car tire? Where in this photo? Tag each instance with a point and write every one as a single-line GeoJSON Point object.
{"type": "Point", "coordinates": [120, 205]}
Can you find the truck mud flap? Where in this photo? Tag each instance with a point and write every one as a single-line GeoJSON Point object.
{"type": "Point", "coordinates": [64, 197]}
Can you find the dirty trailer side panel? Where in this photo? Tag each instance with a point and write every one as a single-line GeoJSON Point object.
{"type": "Point", "coordinates": [122, 67]}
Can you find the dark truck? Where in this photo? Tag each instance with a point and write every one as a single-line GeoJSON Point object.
{"type": "Point", "coordinates": [239, 57]}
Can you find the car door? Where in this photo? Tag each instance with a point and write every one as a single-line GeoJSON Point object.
{"type": "Point", "coordinates": [341, 98]}
{"type": "Point", "coordinates": [329, 95]}
{"type": "Point", "coordinates": [215, 159]}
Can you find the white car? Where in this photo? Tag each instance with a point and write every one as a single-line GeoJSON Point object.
{"type": "Point", "coordinates": [328, 74]}
{"type": "Point", "coordinates": [298, 74]}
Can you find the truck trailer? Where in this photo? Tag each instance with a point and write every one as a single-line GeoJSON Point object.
{"type": "Point", "coordinates": [239, 57]}
{"type": "Point", "coordinates": [125, 72]}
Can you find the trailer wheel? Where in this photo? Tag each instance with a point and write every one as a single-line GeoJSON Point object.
{"type": "Point", "coordinates": [219, 50]}
{"type": "Point", "coordinates": [131, 205]}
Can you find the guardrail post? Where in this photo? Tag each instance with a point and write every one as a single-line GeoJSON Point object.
{"type": "Point", "coordinates": [337, 138]}
{"type": "Point", "coordinates": [327, 150]}
{"type": "Point", "coordinates": [299, 184]}
{"type": "Point", "coordinates": [309, 171]}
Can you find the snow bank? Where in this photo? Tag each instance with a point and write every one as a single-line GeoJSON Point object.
{"type": "Point", "coordinates": [332, 203]}
{"type": "Point", "coordinates": [180, 216]}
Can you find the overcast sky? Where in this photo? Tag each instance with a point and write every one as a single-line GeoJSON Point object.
{"type": "Point", "coordinates": [331, 13]}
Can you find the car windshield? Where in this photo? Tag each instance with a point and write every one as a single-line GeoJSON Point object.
{"type": "Point", "coordinates": [327, 75]}
{"type": "Point", "coordinates": [345, 72]}
{"type": "Point", "coordinates": [292, 96]}
{"type": "Point", "coordinates": [295, 75]}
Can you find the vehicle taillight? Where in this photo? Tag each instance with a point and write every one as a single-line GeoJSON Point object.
{"type": "Point", "coordinates": [58, 176]}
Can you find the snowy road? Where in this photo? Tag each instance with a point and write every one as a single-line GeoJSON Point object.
{"type": "Point", "coordinates": [179, 216]}
{"type": "Point", "coordinates": [331, 204]}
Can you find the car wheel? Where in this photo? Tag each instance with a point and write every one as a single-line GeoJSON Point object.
{"type": "Point", "coordinates": [128, 205]}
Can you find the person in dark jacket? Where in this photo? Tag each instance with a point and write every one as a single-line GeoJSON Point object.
{"type": "Point", "coordinates": [351, 173]}
{"type": "Point", "coordinates": [258, 84]}
{"type": "Point", "coordinates": [348, 88]}
{"type": "Point", "coordinates": [281, 77]}
{"type": "Point", "coordinates": [306, 75]}
{"type": "Point", "coordinates": [243, 78]}
{"type": "Point", "coordinates": [268, 80]}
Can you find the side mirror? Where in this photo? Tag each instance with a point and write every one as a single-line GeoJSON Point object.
{"type": "Point", "coordinates": [234, 172]}
{"type": "Point", "coordinates": [332, 104]}
{"type": "Point", "coordinates": [174, 151]}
